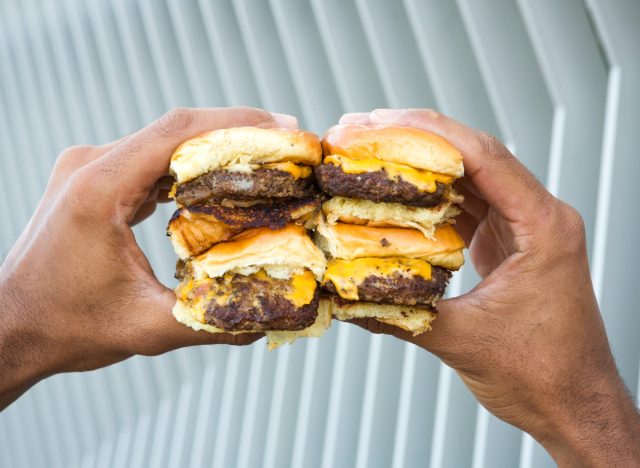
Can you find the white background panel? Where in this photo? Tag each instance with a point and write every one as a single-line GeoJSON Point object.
{"type": "Point", "coordinates": [557, 81]}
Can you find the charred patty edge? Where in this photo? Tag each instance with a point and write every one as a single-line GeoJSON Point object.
{"type": "Point", "coordinates": [221, 184]}
{"type": "Point", "coordinates": [377, 186]}
{"type": "Point", "coordinates": [400, 290]}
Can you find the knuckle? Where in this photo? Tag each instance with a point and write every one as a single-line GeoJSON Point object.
{"type": "Point", "coordinates": [571, 229]}
{"type": "Point", "coordinates": [73, 157]}
{"type": "Point", "coordinates": [80, 193]}
{"type": "Point", "coordinates": [573, 220]}
{"type": "Point", "coordinates": [176, 121]}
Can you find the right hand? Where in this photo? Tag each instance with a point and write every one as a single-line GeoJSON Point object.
{"type": "Point", "coordinates": [529, 340]}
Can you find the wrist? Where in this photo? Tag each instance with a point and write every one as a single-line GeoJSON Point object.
{"type": "Point", "coordinates": [604, 431]}
{"type": "Point", "coordinates": [24, 355]}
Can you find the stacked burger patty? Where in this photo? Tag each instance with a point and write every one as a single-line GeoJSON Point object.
{"type": "Point", "coordinates": [387, 229]}
{"type": "Point", "coordinates": [247, 263]}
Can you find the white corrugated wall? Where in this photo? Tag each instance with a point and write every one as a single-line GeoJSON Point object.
{"type": "Point", "coordinates": [558, 81]}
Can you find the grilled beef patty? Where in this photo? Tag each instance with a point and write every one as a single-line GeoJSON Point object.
{"type": "Point", "coordinates": [259, 305]}
{"type": "Point", "coordinates": [274, 214]}
{"type": "Point", "coordinates": [221, 184]}
{"type": "Point", "coordinates": [401, 290]}
{"type": "Point", "coordinates": [376, 186]}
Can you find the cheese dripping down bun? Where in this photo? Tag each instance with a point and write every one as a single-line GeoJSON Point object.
{"type": "Point", "coordinates": [401, 145]}
{"type": "Point", "coordinates": [243, 146]}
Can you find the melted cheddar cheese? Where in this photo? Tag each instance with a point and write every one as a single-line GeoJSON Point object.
{"type": "Point", "coordinates": [296, 170]}
{"type": "Point", "coordinates": [425, 181]}
{"type": "Point", "coordinates": [301, 288]}
{"type": "Point", "coordinates": [347, 275]}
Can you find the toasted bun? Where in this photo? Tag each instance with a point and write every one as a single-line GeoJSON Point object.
{"type": "Point", "coordinates": [403, 145]}
{"type": "Point", "coordinates": [351, 241]}
{"type": "Point", "coordinates": [280, 252]}
{"type": "Point", "coordinates": [193, 233]}
{"type": "Point", "coordinates": [243, 145]}
{"type": "Point", "coordinates": [183, 314]}
{"type": "Point", "coordinates": [195, 229]}
{"type": "Point", "coordinates": [413, 319]}
{"type": "Point", "coordinates": [368, 213]}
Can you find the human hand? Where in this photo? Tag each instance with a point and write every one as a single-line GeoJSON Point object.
{"type": "Point", "coordinates": [529, 340]}
{"type": "Point", "coordinates": [77, 292]}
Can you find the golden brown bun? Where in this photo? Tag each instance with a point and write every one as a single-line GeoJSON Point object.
{"type": "Point", "coordinates": [403, 145]}
{"type": "Point", "coordinates": [243, 145]}
{"type": "Point", "coordinates": [279, 251]}
{"type": "Point", "coordinates": [351, 241]}
{"type": "Point", "coordinates": [368, 213]}
{"type": "Point", "coordinates": [195, 229]}
{"type": "Point", "coordinates": [183, 314]}
{"type": "Point", "coordinates": [413, 319]}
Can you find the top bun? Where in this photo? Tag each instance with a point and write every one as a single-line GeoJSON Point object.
{"type": "Point", "coordinates": [280, 251]}
{"type": "Point", "coordinates": [351, 241]}
{"type": "Point", "coordinates": [243, 145]}
{"type": "Point", "coordinates": [404, 145]}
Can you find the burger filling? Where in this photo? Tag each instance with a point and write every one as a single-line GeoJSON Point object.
{"type": "Point", "coordinates": [255, 302]}
{"type": "Point", "coordinates": [196, 228]}
{"type": "Point", "coordinates": [425, 181]}
{"type": "Point", "coordinates": [247, 182]}
{"type": "Point", "coordinates": [380, 185]}
{"type": "Point", "coordinates": [400, 281]}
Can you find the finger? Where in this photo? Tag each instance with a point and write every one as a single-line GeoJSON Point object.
{"type": "Point", "coordinates": [129, 171]}
{"type": "Point", "coordinates": [355, 118]}
{"type": "Point", "coordinates": [286, 121]}
{"type": "Point", "coordinates": [447, 337]}
{"type": "Point", "coordinates": [165, 183]}
{"type": "Point", "coordinates": [466, 226]}
{"type": "Point", "coordinates": [163, 196]}
{"type": "Point", "coordinates": [499, 177]}
{"type": "Point", "coordinates": [476, 207]}
{"type": "Point", "coordinates": [145, 210]}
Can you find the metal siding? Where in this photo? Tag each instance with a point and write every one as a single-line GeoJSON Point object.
{"type": "Point", "coordinates": [556, 81]}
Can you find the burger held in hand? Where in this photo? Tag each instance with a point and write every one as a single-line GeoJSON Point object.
{"type": "Point", "coordinates": [388, 228]}
{"type": "Point", "coordinates": [246, 197]}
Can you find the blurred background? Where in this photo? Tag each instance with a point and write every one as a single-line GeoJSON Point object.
{"type": "Point", "coordinates": [556, 80]}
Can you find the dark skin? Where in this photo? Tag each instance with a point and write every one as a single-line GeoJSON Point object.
{"type": "Point", "coordinates": [78, 269]}
{"type": "Point", "coordinates": [528, 341]}
{"type": "Point", "coordinates": [540, 361]}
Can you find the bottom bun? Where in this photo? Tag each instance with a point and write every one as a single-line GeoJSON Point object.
{"type": "Point", "coordinates": [413, 319]}
{"type": "Point", "coordinates": [183, 314]}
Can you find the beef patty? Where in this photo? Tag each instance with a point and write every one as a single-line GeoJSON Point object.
{"type": "Point", "coordinates": [221, 184]}
{"type": "Point", "coordinates": [272, 213]}
{"type": "Point", "coordinates": [258, 304]}
{"type": "Point", "coordinates": [376, 186]}
{"type": "Point", "coordinates": [401, 290]}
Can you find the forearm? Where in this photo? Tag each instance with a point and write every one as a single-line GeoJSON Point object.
{"type": "Point", "coordinates": [603, 432]}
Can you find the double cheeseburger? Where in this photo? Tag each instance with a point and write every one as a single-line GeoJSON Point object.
{"type": "Point", "coordinates": [239, 178]}
{"type": "Point", "coordinates": [247, 264]}
{"type": "Point", "coordinates": [388, 228]}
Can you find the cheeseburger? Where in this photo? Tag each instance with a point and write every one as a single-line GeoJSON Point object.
{"type": "Point", "coordinates": [388, 228]}
{"type": "Point", "coordinates": [233, 179]}
{"type": "Point", "coordinates": [247, 264]}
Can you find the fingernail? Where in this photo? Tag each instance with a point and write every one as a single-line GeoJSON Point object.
{"type": "Point", "coordinates": [354, 117]}
{"type": "Point", "coordinates": [285, 120]}
{"type": "Point", "coordinates": [382, 115]}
